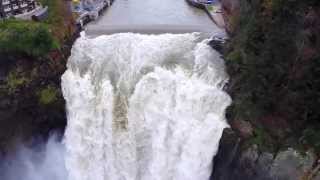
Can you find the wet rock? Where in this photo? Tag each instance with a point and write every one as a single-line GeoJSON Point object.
{"type": "Point", "coordinates": [265, 162]}
{"type": "Point", "coordinates": [292, 165]}
{"type": "Point", "coordinates": [240, 163]}
{"type": "Point", "coordinates": [234, 162]}
{"type": "Point", "coordinates": [244, 128]}
{"type": "Point", "coordinates": [247, 162]}
{"type": "Point", "coordinates": [226, 156]}
{"type": "Point", "coordinates": [251, 154]}
{"type": "Point", "coordinates": [237, 161]}
{"type": "Point", "coordinates": [218, 43]}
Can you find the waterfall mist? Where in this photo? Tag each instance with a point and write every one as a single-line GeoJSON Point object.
{"type": "Point", "coordinates": [40, 162]}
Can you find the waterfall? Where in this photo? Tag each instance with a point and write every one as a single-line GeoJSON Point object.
{"type": "Point", "coordinates": [143, 107]}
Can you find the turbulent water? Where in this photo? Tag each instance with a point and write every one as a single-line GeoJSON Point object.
{"type": "Point", "coordinates": [143, 107]}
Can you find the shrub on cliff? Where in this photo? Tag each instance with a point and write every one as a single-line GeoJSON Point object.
{"type": "Point", "coordinates": [48, 95]}
{"type": "Point", "coordinates": [15, 80]}
{"type": "Point", "coordinates": [25, 37]}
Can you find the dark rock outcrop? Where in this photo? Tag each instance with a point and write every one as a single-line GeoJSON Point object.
{"type": "Point", "coordinates": [237, 161]}
{"type": "Point", "coordinates": [234, 162]}
{"type": "Point", "coordinates": [272, 58]}
{"type": "Point", "coordinates": [218, 44]}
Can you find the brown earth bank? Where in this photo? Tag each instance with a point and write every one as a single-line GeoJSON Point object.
{"type": "Point", "coordinates": [273, 59]}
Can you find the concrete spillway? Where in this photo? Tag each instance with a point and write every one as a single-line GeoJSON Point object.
{"type": "Point", "coordinates": [152, 17]}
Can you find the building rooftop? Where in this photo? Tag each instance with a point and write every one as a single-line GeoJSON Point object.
{"type": "Point", "coordinates": [9, 8]}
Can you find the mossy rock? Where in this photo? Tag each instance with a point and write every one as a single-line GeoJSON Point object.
{"type": "Point", "coordinates": [16, 80]}
{"type": "Point", "coordinates": [48, 95]}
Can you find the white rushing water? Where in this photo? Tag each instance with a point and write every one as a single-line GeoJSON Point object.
{"type": "Point", "coordinates": [143, 107]}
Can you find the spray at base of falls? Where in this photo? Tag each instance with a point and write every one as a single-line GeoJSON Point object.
{"type": "Point", "coordinates": [38, 162]}
{"type": "Point", "coordinates": [143, 107]}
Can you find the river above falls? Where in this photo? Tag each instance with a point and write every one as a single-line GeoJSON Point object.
{"type": "Point", "coordinates": [152, 17]}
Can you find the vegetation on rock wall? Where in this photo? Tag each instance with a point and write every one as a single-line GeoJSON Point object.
{"type": "Point", "coordinates": [15, 80]}
{"type": "Point", "coordinates": [26, 37]}
{"type": "Point", "coordinates": [48, 95]}
{"type": "Point", "coordinates": [32, 59]}
{"type": "Point", "coordinates": [274, 61]}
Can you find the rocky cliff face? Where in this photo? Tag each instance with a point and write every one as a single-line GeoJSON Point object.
{"type": "Point", "coordinates": [271, 57]}
{"type": "Point", "coordinates": [31, 102]}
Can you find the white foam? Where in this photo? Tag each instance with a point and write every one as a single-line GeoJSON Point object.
{"type": "Point", "coordinates": [143, 107]}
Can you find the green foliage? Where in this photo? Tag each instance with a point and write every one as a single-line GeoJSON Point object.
{"type": "Point", "coordinates": [15, 80]}
{"type": "Point", "coordinates": [259, 136]}
{"type": "Point", "coordinates": [262, 138]}
{"type": "Point", "coordinates": [48, 95]}
{"type": "Point", "coordinates": [25, 37]}
{"type": "Point", "coordinates": [60, 19]}
{"type": "Point", "coordinates": [269, 73]}
{"type": "Point", "coordinates": [263, 51]}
